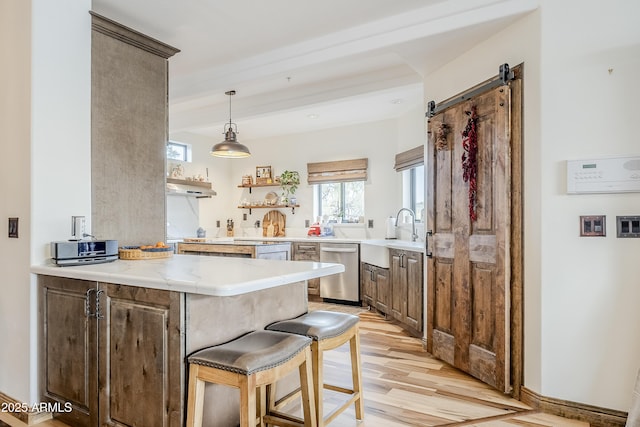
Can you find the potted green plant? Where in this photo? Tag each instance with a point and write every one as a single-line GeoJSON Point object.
{"type": "Point", "coordinates": [289, 181]}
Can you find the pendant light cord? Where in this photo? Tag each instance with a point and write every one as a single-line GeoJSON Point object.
{"type": "Point", "coordinates": [230, 94]}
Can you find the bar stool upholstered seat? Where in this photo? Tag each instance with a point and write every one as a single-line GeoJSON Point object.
{"type": "Point", "coordinates": [329, 330]}
{"type": "Point", "coordinates": [249, 362]}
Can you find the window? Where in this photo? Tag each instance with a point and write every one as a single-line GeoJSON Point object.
{"type": "Point", "coordinates": [178, 151]}
{"type": "Point", "coordinates": [339, 189]}
{"type": "Point", "coordinates": [411, 164]}
{"type": "Point", "coordinates": [341, 201]}
{"type": "Point", "coordinates": [413, 191]}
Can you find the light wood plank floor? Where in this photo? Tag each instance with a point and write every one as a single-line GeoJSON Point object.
{"type": "Point", "coordinates": [404, 386]}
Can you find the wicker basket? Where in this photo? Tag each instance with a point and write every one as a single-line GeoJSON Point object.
{"type": "Point", "coordinates": [135, 253]}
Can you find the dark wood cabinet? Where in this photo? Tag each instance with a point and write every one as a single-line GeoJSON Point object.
{"type": "Point", "coordinates": [102, 343]}
{"type": "Point", "coordinates": [367, 285]}
{"type": "Point", "coordinates": [303, 251]}
{"type": "Point", "coordinates": [383, 288]}
{"type": "Point", "coordinates": [407, 278]}
{"type": "Point", "coordinates": [375, 286]}
{"type": "Point", "coordinates": [68, 349]}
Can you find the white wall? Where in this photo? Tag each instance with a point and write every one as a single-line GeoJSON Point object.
{"type": "Point", "coordinates": [590, 345]}
{"type": "Point", "coordinates": [515, 45]}
{"type": "Point", "coordinates": [181, 210]}
{"type": "Point", "coordinates": [377, 141]}
{"type": "Point", "coordinates": [47, 121]}
{"type": "Point", "coordinates": [15, 40]}
{"type": "Point", "coordinates": [580, 323]}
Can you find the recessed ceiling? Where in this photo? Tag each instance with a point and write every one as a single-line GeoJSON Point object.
{"type": "Point", "coordinates": [343, 61]}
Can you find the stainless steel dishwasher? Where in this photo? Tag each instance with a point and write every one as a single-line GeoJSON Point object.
{"type": "Point", "coordinates": [344, 286]}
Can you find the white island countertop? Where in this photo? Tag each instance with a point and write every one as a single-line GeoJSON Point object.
{"type": "Point", "coordinates": [205, 275]}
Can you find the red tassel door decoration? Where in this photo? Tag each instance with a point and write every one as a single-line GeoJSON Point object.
{"type": "Point", "coordinates": [470, 159]}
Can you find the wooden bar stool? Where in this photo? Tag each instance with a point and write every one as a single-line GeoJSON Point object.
{"type": "Point", "coordinates": [249, 362]}
{"type": "Point", "coordinates": [328, 330]}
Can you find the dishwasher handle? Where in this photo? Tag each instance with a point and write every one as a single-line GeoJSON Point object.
{"type": "Point", "coordinates": [339, 250]}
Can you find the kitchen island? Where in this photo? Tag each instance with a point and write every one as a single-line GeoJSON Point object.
{"type": "Point", "coordinates": [114, 337]}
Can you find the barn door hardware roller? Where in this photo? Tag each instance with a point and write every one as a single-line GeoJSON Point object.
{"type": "Point", "coordinates": [505, 75]}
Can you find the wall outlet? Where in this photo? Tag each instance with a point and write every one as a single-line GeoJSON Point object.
{"type": "Point", "coordinates": [370, 223]}
{"type": "Point", "coordinates": [78, 227]}
{"type": "Point", "coordinates": [628, 226]}
{"type": "Point", "coordinates": [307, 223]}
{"type": "Point", "coordinates": [218, 224]}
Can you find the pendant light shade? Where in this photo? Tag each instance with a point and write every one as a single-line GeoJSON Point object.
{"type": "Point", "coordinates": [230, 147]}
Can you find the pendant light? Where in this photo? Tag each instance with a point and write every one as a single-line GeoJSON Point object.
{"type": "Point", "coordinates": [230, 147]}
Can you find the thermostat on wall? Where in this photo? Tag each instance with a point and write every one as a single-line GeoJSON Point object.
{"type": "Point", "coordinates": [607, 175]}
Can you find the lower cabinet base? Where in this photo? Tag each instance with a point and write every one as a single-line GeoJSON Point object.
{"type": "Point", "coordinates": [410, 330]}
{"type": "Point", "coordinates": [117, 354]}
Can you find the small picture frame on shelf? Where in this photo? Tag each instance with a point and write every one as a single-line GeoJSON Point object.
{"type": "Point", "coordinates": [264, 175]}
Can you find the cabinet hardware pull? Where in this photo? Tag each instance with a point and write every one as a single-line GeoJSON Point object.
{"type": "Point", "coordinates": [99, 314]}
{"type": "Point", "coordinates": [87, 303]}
{"type": "Point", "coordinates": [428, 253]}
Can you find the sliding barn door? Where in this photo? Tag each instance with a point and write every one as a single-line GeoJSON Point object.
{"type": "Point", "coordinates": [468, 275]}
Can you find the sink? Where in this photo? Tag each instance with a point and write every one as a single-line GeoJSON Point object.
{"type": "Point", "coordinates": [407, 245]}
{"type": "Point", "coordinates": [376, 252]}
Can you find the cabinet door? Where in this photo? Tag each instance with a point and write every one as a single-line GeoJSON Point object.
{"type": "Point", "coordinates": [308, 252]}
{"type": "Point", "coordinates": [68, 349]}
{"type": "Point", "coordinates": [383, 289]}
{"type": "Point", "coordinates": [398, 285]}
{"type": "Point", "coordinates": [141, 367]}
{"type": "Point", "coordinates": [414, 268]}
{"type": "Point", "coordinates": [367, 284]}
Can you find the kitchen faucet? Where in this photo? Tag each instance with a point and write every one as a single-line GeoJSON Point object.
{"type": "Point", "coordinates": [414, 236]}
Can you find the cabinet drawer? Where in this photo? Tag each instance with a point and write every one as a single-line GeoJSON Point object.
{"type": "Point", "coordinates": [306, 251]}
{"type": "Point", "coordinates": [303, 251]}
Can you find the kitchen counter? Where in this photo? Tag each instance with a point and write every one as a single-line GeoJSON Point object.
{"type": "Point", "coordinates": [262, 240]}
{"type": "Point", "coordinates": [139, 320]}
{"type": "Point", "coordinates": [195, 274]}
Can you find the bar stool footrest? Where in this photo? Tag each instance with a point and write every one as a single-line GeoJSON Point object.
{"type": "Point", "coordinates": [282, 420]}
{"type": "Point", "coordinates": [333, 414]}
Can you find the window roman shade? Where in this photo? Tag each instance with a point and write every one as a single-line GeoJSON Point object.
{"type": "Point", "coordinates": [409, 159]}
{"type": "Point", "coordinates": [337, 171]}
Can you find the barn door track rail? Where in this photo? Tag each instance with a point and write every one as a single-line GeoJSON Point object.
{"type": "Point", "coordinates": [505, 75]}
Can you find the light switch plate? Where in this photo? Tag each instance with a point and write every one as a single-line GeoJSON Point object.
{"type": "Point", "coordinates": [593, 225]}
{"type": "Point", "coordinates": [628, 226]}
{"type": "Point", "coordinates": [13, 228]}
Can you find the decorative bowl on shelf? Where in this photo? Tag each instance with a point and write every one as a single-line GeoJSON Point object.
{"type": "Point", "coordinates": [271, 199]}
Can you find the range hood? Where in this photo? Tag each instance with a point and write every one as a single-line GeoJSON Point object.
{"type": "Point", "coordinates": [183, 187]}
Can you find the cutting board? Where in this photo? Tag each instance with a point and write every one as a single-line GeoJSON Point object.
{"type": "Point", "coordinates": [276, 219]}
